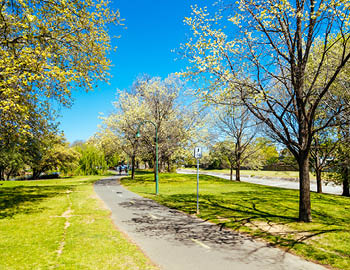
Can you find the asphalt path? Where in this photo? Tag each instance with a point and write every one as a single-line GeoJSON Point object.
{"type": "Point", "coordinates": [177, 241]}
{"type": "Point", "coordinates": [274, 182]}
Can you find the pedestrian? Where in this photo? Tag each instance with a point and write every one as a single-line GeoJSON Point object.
{"type": "Point", "coordinates": [120, 169]}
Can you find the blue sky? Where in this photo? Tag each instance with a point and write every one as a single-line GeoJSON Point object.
{"type": "Point", "coordinates": [153, 29]}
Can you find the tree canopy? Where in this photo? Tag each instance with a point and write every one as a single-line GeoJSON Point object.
{"type": "Point", "coordinates": [261, 54]}
{"type": "Point", "coordinates": [47, 49]}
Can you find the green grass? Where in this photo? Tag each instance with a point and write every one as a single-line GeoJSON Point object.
{"type": "Point", "coordinates": [277, 174]}
{"type": "Point", "coordinates": [264, 212]}
{"type": "Point", "coordinates": [36, 234]}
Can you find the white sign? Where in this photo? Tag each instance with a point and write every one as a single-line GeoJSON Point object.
{"type": "Point", "coordinates": [197, 152]}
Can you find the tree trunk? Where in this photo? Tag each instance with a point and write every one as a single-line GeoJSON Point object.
{"type": "Point", "coordinates": [151, 163]}
{"type": "Point", "coordinates": [11, 173]}
{"type": "Point", "coordinates": [304, 188]}
{"type": "Point", "coordinates": [238, 172]}
{"type": "Point", "coordinates": [2, 174]}
{"type": "Point", "coordinates": [231, 172]}
{"type": "Point", "coordinates": [318, 180]}
{"type": "Point", "coordinates": [133, 167]}
{"type": "Point", "coordinates": [346, 191]}
{"type": "Point", "coordinates": [169, 167]}
{"type": "Point", "coordinates": [36, 174]}
{"type": "Point", "coordinates": [8, 175]}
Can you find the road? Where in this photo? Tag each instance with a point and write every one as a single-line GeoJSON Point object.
{"type": "Point", "coordinates": [274, 182]}
{"type": "Point", "coordinates": [177, 241]}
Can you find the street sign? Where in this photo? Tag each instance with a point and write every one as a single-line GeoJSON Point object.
{"type": "Point", "coordinates": [197, 152]}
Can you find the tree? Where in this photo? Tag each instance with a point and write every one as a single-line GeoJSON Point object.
{"type": "Point", "coordinates": [11, 162]}
{"type": "Point", "coordinates": [47, 49]}
{"type": "Point", "coordinates": [123, 124]}
{"type": "Point", "coordinates": [109, 144]}
{"type": "Point", "coordinates": [92, 160]}
{"type": "Point", "coordinates": [174, 123]}
{"type": "Point", "coordinates": [341, 157]}
{"type": "Point", "coordinates": [151, 100]}
{"type": "Point", "coordinates": [266, 64]}
{"type": "Point", "coordinates": [267, 152]}
{"type": "Point", "coordinates": [14, 152]}
{"type": "Point", "coordinates": [217, 157]}
{"type": "Point", "coordinates": [63, 158]}
{"type": "Point", "coordinates": [237, 124]}
{"type": "Point", "coordinates": [322, 152]}
{"type": "Point", "coordinates": [55, 155]}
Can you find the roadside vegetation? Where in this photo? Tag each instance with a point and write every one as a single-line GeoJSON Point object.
{"type": "Point", "coordinates": [258, 173]}
{"type": "Point", "coordinates": [269, 213]}
{"type": "Point", "coordinates": [60, 224]}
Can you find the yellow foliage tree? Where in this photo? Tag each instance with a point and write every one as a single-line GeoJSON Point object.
{"type": "Point", "coordinates": [47, 49]}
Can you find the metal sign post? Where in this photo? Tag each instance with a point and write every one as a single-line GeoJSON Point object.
{"type": "Point", "coordinates": [197, 155]}
{"type": "Point", "coordinates": [197, 186]}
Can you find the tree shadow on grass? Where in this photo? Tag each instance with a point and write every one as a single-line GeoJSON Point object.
{"type": "Point", "coordinates": [143, 172]}
{"type": "Point", "coordinates": [249, 215]}
{"type": "Point", "coordinates": [24, 199]}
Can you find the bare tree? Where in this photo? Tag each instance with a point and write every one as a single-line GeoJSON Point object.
{"type": "Point", "coordinates": [237, 124]}
{"type": "Point", "coordinates": [322, 153]}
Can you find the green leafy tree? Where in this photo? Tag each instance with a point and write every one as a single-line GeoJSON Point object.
{"type": "Point", "coordinates": [109, 143]}
{"type": "Point", "coordinates": [267, 151]}
{"type": "Point", "coordinates": [91, 161]}
{"type": "Point", "coordinates": [63, 158]}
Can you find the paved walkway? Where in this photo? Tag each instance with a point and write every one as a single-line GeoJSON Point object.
{"type": "Point", "coordinates": [177, 241]}
{"type": "Point", "coordinates": [274, 182]}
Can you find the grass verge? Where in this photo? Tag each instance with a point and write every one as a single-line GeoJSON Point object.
{"type": "Point", "coordinates": [60, 224]}
{"type": "Point", "coordinates": [264, 212]}
{"type": "Point", "coordinates": [252, 173]}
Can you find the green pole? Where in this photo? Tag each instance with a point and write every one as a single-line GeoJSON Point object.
{"type": "Point", "coordinates": [157, 184]}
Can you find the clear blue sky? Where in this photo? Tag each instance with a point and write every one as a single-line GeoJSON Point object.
{"type": "Point", "coordinates": [153, 29]}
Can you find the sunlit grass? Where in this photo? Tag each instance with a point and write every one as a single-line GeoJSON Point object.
{"type": "Point", "coordinates": [264, 212]}
{"type": "Point", "coordinates": [60, 224]}
{"type": "Point", "coordinates": [259, 173]}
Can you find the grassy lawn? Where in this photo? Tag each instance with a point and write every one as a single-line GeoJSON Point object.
{"type": "Point", "coordinates": [251, 173]}
{"type": "Point", "coordinates": [60, 224]}
{"type": "Point", "coordinates": [264, 212]}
